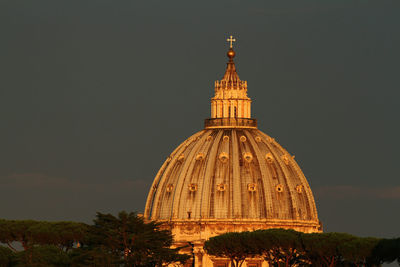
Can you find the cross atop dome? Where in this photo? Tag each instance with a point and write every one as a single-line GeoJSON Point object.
{"type": "Point", "coordinates": [231, 40]}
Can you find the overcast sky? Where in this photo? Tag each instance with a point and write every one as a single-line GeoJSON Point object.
{"type": "Point", "coordinates": [94, 95]}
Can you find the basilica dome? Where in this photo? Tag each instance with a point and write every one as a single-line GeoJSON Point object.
{"type": "Point", "coordinates": [230, 176]}
{"type": "Point", "coordinates": [231, 173]}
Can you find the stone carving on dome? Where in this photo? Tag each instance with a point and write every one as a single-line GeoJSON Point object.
{"type": "Point", "coordinates": [279, 188]}
{"type": "Point", "coordinates": [181, 157]}
{"type": "Point", "coordinates": [225, 138]}
{"type": "Point", "coordinates": [270, 139]}
{"type": "Point", "coordinates": [200, 156]}
{"type": "Point", "coordinates": [192, 187]}
{"type": "Point", "coordinates": [223, 157]}
{"type": "Point", "coordinates": [251, 187]}
{"type": "Point", "coordinates": [170, 187]}
{"type": "Point", "coordinates": [247, 156]}
{"type": "Point", "coordinates": [243, 139]}
{"type": "Point", "coordinates": [285, 159]}
{"type": "Point", "coordinates": [169, 159]}
{"type": "Point", "coordinates": [221, 187]}
{"type": "Point", "coordinates": [269, 158]}
{"type": "Point", "coordinates": [209, 138]}
{"type": "Point", "coordinates": [299, 188]}
{"type": "Point", "coordinates": [258, 139]}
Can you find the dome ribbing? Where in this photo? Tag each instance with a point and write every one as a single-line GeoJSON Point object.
{"type": "Point", "coordinates": [231, 174]}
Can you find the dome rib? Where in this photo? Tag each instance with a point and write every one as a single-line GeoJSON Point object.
{"type": "Point", "coordinates": [207, 146]}
{"type": "Point", "coordinates": [204, 211]}
{"type": "Point", "coordinates": [267, 177]}
{"type": "Point", "coordinates": [183, 181]}
{"type": "Point", "coordinates": [286, 179]}
{"type": "Point", "coordinates": [236, 183]}
{"type": "Point", "coordinates": [307, 189]}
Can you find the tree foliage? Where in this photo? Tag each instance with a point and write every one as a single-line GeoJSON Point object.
{"type": "Point", "coordinates": [326, 248]}
{"type": "Point", "coordinates": [43, 256]}
{"type": "Point", "coordinates": [128, 240]}
{"type": "Point", "coordinates": [386, 251]}
{"type": "Point", "coordinates": [359, 250]}
{"type": "Point", "coordinates": [125, 240]}
{"type": "Point", "coordinates": [281, 247]}
{"type": "Point", "coordinates": [6, 257]}
{"type": "Point", "coordinates": [29, 233]}
{"type": "Point", "coordinates": [235, 246]}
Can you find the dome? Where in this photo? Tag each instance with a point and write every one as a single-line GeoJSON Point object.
{"type": "Point", "coordinates": [230, 176]}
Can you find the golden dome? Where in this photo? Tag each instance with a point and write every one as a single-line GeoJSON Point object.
{"type": "Point", "coordinates": [230, 176]}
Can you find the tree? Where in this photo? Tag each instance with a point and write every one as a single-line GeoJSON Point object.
{"type": "Point", "coordinates": [279, 247]}
{"type": "Point", "coordinates": [92, 256]}
{"type": "Point", "coordinates": [358, 250]}
{"type": "Point", "coordinates": [325, 249]}
{"type": "Point", "coordinates": [235, 246]}
{"type": "Point", "coordinates": [61, 234]}
{"type": "Point", "coordinates": [386, 251]}
{"type": "Point", "coordinates": [43, 256]}
{"type": "Point", "coordinates": [16, 231]}
{"type": "Point", "coordinates": [128, 240]}
{"type": "Point", "coordinates": [6, 257]}
{"type": "Point", "coordinates": [33, 234]}
{"type": "Point", "coordinates": [29, 233]}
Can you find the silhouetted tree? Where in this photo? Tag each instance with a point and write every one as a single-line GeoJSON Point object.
{"type": "Point", "coordinates": [43, 256]}
{"type": "Point", "coordinates": [386, 251]}
{"type": "Point", "coordinates": [61, 234]}
{"type": "Point", "coordinates": [325, 249]}
{"type": "Point", "coordinates": [29, 233]}
{"type": "Point", "coordinates": [128, 240]}
{"type": "Point", "coordinates": [235, 246]}
{"type": "Point", "coordinates": [279, 247]}
{"type": "Point", "coordinates": [7, 257]}
{"type": "Point", "coordinates": [16, 231]}
{"type": "Point", "coordinates": [358, 250]}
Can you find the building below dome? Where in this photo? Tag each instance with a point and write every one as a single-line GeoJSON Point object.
{"type": "Point", "coordinates": [230, 177]}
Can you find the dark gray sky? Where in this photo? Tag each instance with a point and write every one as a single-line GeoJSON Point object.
{"type": "Point", "coordinates": [94, 95]}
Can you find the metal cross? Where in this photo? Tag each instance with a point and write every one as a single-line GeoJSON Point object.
{"type": "Point", "coordinates": [230, 40]}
